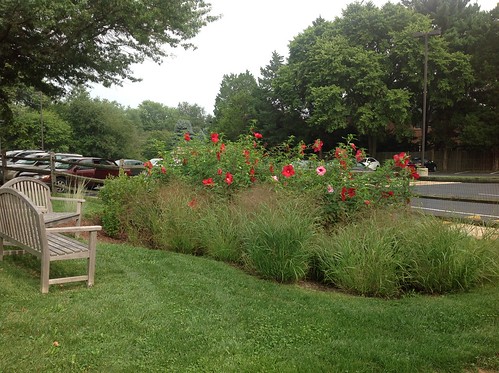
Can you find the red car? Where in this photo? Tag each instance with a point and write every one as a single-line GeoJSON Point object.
{"type": "Point", "coordinates": [88, 167]}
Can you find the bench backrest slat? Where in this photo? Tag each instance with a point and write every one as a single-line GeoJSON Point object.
{"type": "Point", "coordinates": [38, 192]}
{"type": "Point", "coordinates": [21, 222]}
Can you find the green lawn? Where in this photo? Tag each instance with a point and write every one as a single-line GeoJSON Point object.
{"type": "Point", "coordinates": [159, 311]}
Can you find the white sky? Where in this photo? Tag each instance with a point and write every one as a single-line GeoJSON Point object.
{"type": "Point", "coordinates": [243, 39]}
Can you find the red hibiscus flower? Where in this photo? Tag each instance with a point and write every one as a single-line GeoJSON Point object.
{"type": "Point", "coordinates": [222, 147]}
{"type": "Point", "coordinates": [148, 165]}
{"type": "Point", "coordinates": [187, 136]}
{"type": "Point", "coordinates": [229, 178]}
{"type": "Point", "coordinates": [367, 202]}
{"type": "Point", "coordinates": [387, 194]}
{"type": "Point", "coordinates": [317, 147]}
{"type": "Point", "coordinates": [252, 171]}
{"type": "Point", "coordinates": [208, 182]}
{"type": "Point", "coordinates": [214, 138]}
{"type": "Point", "coordinates": [352, 145]}
{"type": "Point", "coordinates": [359, 155]}
{"type": "Point", "coordinates": [288, 170]}
{"type": "Point", "coordinates": [401, 160]}
{"type": "Point", "coordinates": [192, 203]}
{"type": "Point", "coordinates": [258, 135]}
{"type": "Point", "coordinates": [347, 191]}
{"type": "Point", "coordinates": [163, 170]}
{"type": "Point", "coordinates": [218, 156]}
{"type": "Point", "coordinates": [219, 171]}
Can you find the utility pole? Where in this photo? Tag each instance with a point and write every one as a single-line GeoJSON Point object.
{"type": "Point", "coordinates": [425, 35]}
{"type": "Point", "coordinates": [41, 119]}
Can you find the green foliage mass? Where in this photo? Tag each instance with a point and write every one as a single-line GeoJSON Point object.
{"type": "Point", "coordinates": [53, 45]}
{"type": "Point", "coordinates": [289, 223]}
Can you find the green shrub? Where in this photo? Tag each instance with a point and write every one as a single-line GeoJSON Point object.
{"type": "Point", "coordinates": [117, 195]}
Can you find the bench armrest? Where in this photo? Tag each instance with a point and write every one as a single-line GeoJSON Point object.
{"type": "Point", "coordinates": [88, 228]}
{"type": "Point", "coordinates": [79, 200]}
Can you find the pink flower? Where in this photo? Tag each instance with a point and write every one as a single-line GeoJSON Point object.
{"type": "Point", "coordinates": [219, 171]}
{"type": "Point", "coordinates": [330, 189]}
{"type": "Point", "coordinates": [275, 178]}
{"type": "Point", "coordinates": [352, 145]}
{"type": "Point", "coordinates": [321, 170]}
{"type": "Point", "coordinates": [359, 155]}
{"type": "Point", "coordinates": [163, 170]}
{"type": "Point", "coordinates": [214, 138]}
{"type": "Point", "coordinates": [367, 202]}
{"type": "Point", "coordinates": [258, 135]}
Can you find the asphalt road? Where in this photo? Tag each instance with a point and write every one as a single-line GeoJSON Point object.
{"type": "Point", "coordinates": [475, 201]}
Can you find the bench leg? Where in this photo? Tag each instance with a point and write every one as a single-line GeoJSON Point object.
{"type": "Point", "coordinates": [44, 285]}
{"type": "Point", "coordinates": [92, 243]}
{"type": "Point", "coordinates": [1, 248]}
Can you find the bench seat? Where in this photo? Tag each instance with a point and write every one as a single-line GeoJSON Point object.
{"type": "Point", "coordinates": [22, 225]}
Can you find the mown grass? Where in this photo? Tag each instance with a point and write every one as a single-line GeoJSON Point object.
{"type": "Point", "coordinates": [161, 311]}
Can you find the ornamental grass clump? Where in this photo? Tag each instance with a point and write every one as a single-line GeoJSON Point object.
{"type": "Point", "coordinates": [362, 258]}
{"type": "Point", "coordinates": [389, 254]}
{"type": "Point", "coordinates": [277, 241]}
{"type": "Point", "coordinates": [220, 232]}
{"type": "Point", "coordinates": [441, 258]}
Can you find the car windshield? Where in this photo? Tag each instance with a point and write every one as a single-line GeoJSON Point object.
{"type": "Point", "coordinates": [26, 161]}
{"type": "Point", "coordinates": [62, 166]}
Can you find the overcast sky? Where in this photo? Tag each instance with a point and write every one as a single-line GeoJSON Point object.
{"type": "Point", "coordinates": [243, 39]}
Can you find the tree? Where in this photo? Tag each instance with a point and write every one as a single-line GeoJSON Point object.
{"type": "Point", "coordinates": [338, 78]}
{"type": "Point", "coordinates": [472, 120]}
{"type": "Point", "coordinates": [55, 44]}
{"type": "Point", "coordinates": [157, 117]}
{"type": "Point", "coordinates": [196, 115]}
{"type": "Point", "coordinates": [100, 128]}
{"type": "Point", "coordinates": [235, 104]}
{"type": "Point", "coordinates": [29, 124]}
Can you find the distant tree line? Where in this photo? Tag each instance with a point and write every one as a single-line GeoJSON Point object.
{"type": "Point", "coordinates": [102, 128]}
{"type": "Point", "coordinates": [361, 73]}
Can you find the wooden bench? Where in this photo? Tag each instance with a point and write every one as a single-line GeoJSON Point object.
{"type": "Point", "coordinates": [22, 225]}
{"type": "Point", "coordinates": [39, 193]}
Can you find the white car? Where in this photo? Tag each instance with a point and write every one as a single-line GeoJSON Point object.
{"type": "Point", "coordinates": [370, 163]}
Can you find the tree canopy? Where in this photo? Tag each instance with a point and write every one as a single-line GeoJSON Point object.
{"type": "Point", "coordinates": [52, 45]}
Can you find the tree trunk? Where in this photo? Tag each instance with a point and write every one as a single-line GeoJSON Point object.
{"type": "Point", "coordinates": [445, 159]}
{"type": "Point", "coordinates": [372, 145]}
{"type": "Point", "coordinates": [495, 162]}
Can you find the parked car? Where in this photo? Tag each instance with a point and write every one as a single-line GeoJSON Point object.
{"type": "Point", "coordinates": [370, 163]}
{"type": "Point", "coordinates": [134, 165]}
{"type": "Point", "coordinates": [85, 167]}
{"type": "Point", "coordinates": [429, 164]}
{"type": "Point", "coordinates": [15, 155]}
{"type": "Point", "coordinates": [29, 161]}
{"type": "Point", "coordinates": [33, 161]}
